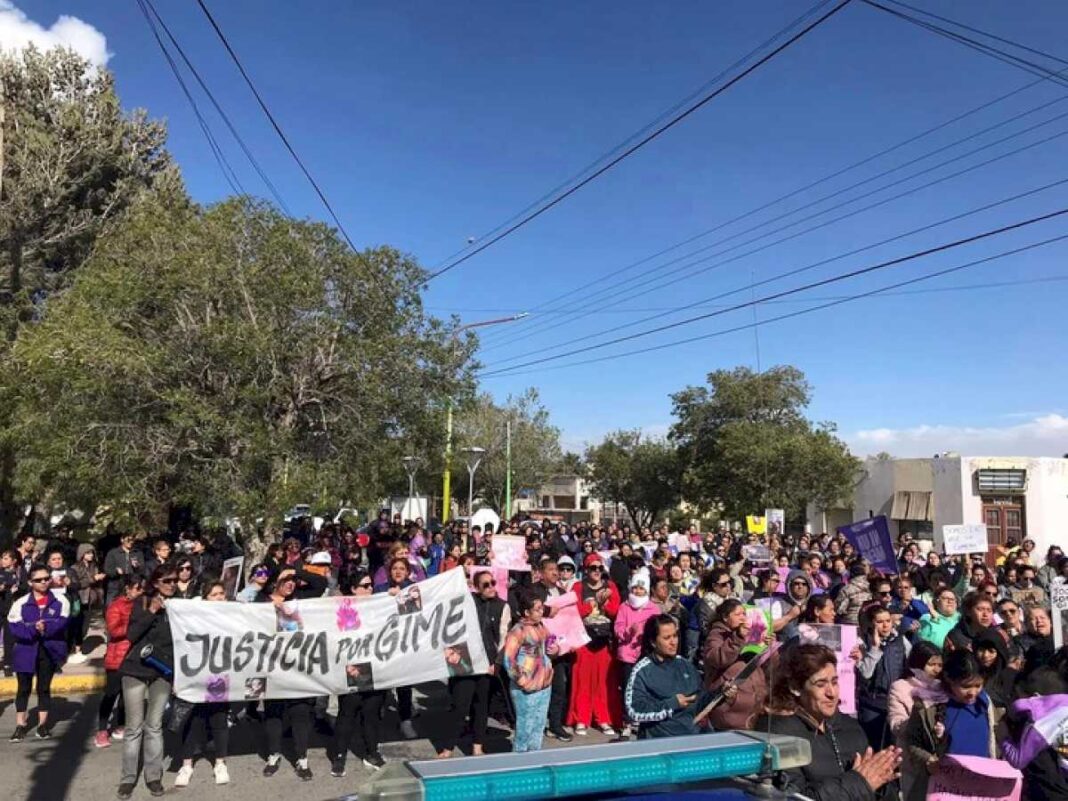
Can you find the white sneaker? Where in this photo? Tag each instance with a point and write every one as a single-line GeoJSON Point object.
{"type": "Point", "coordinates": [222, 775]}
{"type": "Point", "coordinates": [607, 730]}
{"type": "Point", "coordinates": [77, 659]}
{"type": "Point", "coordinates": [185, 773]}
{"type": "Point", "coordinates": [408, 730]}
{"type": "Point", "coordinates": [625, 734]}
{"type": "Point", "coordinates": [581, 730]}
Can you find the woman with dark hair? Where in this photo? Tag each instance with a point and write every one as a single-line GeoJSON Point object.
{"type": "Point", "coordinates": [38, 622]}
{"type": "Point", "coordinates": [925, 668]}
{"type": "Point", "coordinates": [723, 660]}
{"type": "Point", "coordinates": [359, 713]}
{"type": "Point", "coordinates": [977, 617]}
{"type": "Point", "coordinates": [882, 657]}
{"type": "Point", "coordinates": [187, 586]}
{"type": "Point", "coordinates": [664, 691]}
{"type": "Point", "coordinates": [960, 723]}
{"type": "Point", "coordinates": [282, 594]}
{"type": "Point", "coordinates": [819, 611]}
{"type": "Point", "coordinates": [526, 654]}
{"type": "Point", "coordinates": [594, 677]}
{"type": "Point", "coordinates": [999, 679]}
{"type": "Point", "coordinates": [275, 557]}
{"type": "Point", "coordinates": [117, 620]}
{"type": "Point", "coordinates": [398, 576]}
{"type": "Point", "coordinates": [843, 767]}
{"type": "Point", "coordinates": [146, 684]}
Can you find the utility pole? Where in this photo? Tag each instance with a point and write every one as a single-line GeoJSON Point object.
{"type": "Point", "coordinates": [446, 474]}
{"type": "Point", "coordinates": [508, 470]}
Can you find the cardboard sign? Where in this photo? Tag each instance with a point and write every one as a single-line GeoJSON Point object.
{"type": "Point", "coordinates": [755, 524]}
{"type": "Point", "coordinates": [871, 538]}
{"type": "Point", "coordinates": [510, 552]}
{"type": "Point", "coordinates": [776, 522]}
{"type": "Point", "coordinates": [968, 778]}
{"type": "Point", "coordinates": [231, 576]}
{"type": "Point", "coordinates": [966, 539]}
{"type": "Point", "coordinates": [565, 626]}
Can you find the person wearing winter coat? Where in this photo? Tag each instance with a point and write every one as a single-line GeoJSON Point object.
{"type": "Point", "coordinates": [663, 693]}
{"type": "Point", "coordinates": [716, 587]}
{"type": "Point", "coordinates": [881, 658]}
{"type": "Point", "coordinates": [925, 669]}
{"type": "Point", "coordinates": [38, 622]}
{"type": "Point", "coordinates": [117, 621]}
{"type": "Point", "coordinates": [1036, 743]}
{"type": "Point", "coordinates": [806, 698]}
{"type": "Point", "coordinates": [526, 656]}
{"type": "Point", "coordinates": [793, 603]}
{"type": "Point", "coordinates": [125, 560]}
{"type": "Point", "coordinates": [594, 676]}
{"type": "Point", "coordinates": [723, 661]}
{"type": "Point", "coordinates": [976, 620]}
{"type": "Point", "coordinates": [854, 596]}
{"type": "Point", "coordinates": [629, 627]}
{"type": "Point", "coordinates": [936, 625]}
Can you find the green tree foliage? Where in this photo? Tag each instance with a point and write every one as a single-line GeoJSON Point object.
{"type": "Point", "coordinates": [746, 444]}
{"type": "Point", "coordinates": [639, 472]}
{"type": "Point", "coordinates": [232, 359]}
{"type": "Point", "coordinates": [535, 446]}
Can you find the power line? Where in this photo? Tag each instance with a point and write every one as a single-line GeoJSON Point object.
{"type": "Point", "coordinates": [1044, 73]}
{"type": "Point", "coordinates": [218, 108]}
{"type": "Point", "coordinates": [216, 151]}
{"type": "Point", "coordinates": [785, 293]}
{"type": "Point", "coordinates": [637, 145]}
{"type": "Point", "coordinates": [274, 123]}
{"type": "Point", "coordinates": [791, 315]}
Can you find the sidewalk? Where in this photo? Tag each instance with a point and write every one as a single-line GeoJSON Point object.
{"type": "Point", "coordinates": [81, 679]}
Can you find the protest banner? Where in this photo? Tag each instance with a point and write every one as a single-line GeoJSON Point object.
{"type": "Point", "coordinates": [231, 576]}
{"type": "Point", "coordinates": [510, 552]}
{"type": "Point", "coordinates": [775, 520]}
{"type": "Point", "coordinates": [758, 554]}
{"type": "Point", "coordinates": [969, 778]}
{"type": "Point", "coordinates": [759, 622]}
{"type": "Point", "coordinates": [965, 539]}
{"type": "Point", "coordinates": [784, 573]}
{"type": "Point", "coordinates": [842, 640]}
{"type": "Point", "coordinates": [565, 626]}
{"type": "Point", "coordinates": [1058, 594]}
{"type": "Point", "coordinates": [649, 548]}
{"type": "Point", "coordinates": [226, 652]}
{"type": "Point", "coordinates": [755, 524]}
{"type": "Point", "coordinates": [871, 538]}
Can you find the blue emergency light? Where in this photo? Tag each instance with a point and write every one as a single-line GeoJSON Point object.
{"type": "Point", "coordinates": [589, 769]}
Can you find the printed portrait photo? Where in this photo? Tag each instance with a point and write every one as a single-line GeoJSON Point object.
{"type": "Point", "coordinates": [287, 617]}
{"type": "Point", "coordinates": [255, 688]}
{"type": "Point", "coordinates": [359, 677]}
{"type": "Point", "coordinates": [409, 600]}
{"type": "Point", "coordinates": [458, 660]}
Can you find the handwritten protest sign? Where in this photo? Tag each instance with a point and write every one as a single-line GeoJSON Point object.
{"type": "Point", "coordinates": [226, 652]}
{"type": "Point", "coordinates": [966, 539]}
{"type": "Point", "coordinates": [231, 576]}
{"type": "Point", "coordinates": [1059, 597]}
{"type": "Point", "coordinates": [969, 778]}
{"type": "Point", "coordinates": [871, 538]}
{"type": "Point", "coordinates": [565, 625]}
{"type": "Point", "coordinates": [842, 640]}
{"type": "Point", "coordinates": [510, 552]}
{"type": "Point", "coordinates": [776, 522]}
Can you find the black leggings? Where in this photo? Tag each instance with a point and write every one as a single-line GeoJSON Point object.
{"type": "Point", "coordinates": [202, 717]}
{"type": "Point", "coordinates": [299, 712]}
{"type": "Point", "coordinates": [404, 702]}
{"type": "Point", "coordinates": [358, 724]}
{"type": "Point", "coordinates": [468, 694]}
{"type": "Point", "coordinates": [112, 699]}
{"type": "Point", "coordinates": [45, 670]}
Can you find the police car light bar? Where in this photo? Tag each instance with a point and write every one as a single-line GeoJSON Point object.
{"type": "Point", "coordinates": [583, 770]}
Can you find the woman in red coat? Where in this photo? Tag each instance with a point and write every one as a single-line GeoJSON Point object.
{"type": "Point", "coordinates": [595, 698]}
{"type": "Point", "coordinates": [117, 618]}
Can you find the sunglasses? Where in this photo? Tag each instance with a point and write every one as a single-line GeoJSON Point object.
{"type": "Point", "coordinates": [168, 581]}
{"type": "Point", "coordinates": [568, 568]}
{"type": "Point", "coordinates": [366, 585]}
{"type": "Point", "coordinates": [592, 568]}
{"type": "Point", "coordinates": [723, 584]}
{"type": "Point", "coordinates": [261, 574]}
{"type": "Point", "coordinates": [40, 580]}
{"type": "Point", "coordinates": [487, 584]}
{"type": "Point", "coordinates": [183, 568]}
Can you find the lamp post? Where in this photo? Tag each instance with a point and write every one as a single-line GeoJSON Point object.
{"type": "Point", "coordinates": [446, 474]}
{"type": "Point", "coordinates": [411, 466]}
{"type": "Point", "coordinates": [474, 459]}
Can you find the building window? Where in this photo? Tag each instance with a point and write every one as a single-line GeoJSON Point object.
{"type": "Point", "coordinates": [546, 502]}
{"type": "Point", "coordinates": [1001, 481]}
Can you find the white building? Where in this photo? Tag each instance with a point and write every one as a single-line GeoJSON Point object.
{"type": "Point", "coordinates": [1014, 497]}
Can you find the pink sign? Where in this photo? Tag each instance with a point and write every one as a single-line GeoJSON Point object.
{"type": "Point", "coordinates": [510, 552]}
{"type": "Point", "coordinates": [565, 625]}
{"type": "Point", "coordinates": [968, 778]}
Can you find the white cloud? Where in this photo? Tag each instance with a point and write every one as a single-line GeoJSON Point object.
{"type": "Point", "coordinates": [1043, 435]}
{"type": "Point", "coordinates": [17, 30]}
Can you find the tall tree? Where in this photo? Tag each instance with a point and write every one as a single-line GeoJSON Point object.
{"type": "Point", "coordinates": [642, 473]}
{"type": "Point", "coordinates": [73, 161]}
{"type": "Point", "coordinates": [535, 445]}
{"type": "Point", "coordinates": [746, 444]}
{"type": "Point", "coordinates": [232, 359]}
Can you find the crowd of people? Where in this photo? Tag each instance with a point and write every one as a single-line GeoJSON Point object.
{"type": "Point", "coordinates": [952, 652]}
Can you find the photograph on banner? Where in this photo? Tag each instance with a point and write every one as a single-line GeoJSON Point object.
{"type": "Point", "coordinates": [759, 622]}
{"type": "Point", "coordinates": [1059, 602]}
{"type": "Point", "coordinates": [565, 625]}
{"type": "Point", "coordinates": [757, 554]}
{"type": "Point", "coordinates": [842, 640]}
{"type": "Point", "coordinates": [965, 539]}
{"type": "Point", "coordinates": [775, 520]}
{"type": "Point", "coordinates": [971, 778]}
{"type": "Point", "coordinates": [755, 524]}
{"type": "Point", "coordinates": [871, 538]}
{"type": "Point", "coordinates": [226, 652]}
{"type": "Point", "coordinates": [510, 552]}
{"type": "Point", "coordinates": [231, 576]}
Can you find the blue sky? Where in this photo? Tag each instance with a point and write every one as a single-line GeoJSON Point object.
{"type": "Point", "coordinates": [429, 123]}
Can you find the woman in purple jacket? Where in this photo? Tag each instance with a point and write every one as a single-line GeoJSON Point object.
{"type": "Point", "coordinates": [38, 622]}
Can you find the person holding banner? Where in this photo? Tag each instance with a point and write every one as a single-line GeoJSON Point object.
{"type": "Point", "coordinates": [723, 660]}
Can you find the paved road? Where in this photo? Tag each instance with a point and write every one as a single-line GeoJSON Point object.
{"type": "Point", "coordinates": [69, 767]}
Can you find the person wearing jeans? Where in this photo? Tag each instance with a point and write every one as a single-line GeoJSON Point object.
{"type": "Point", "coordinates": [146, 684]}
{"type": "Point", "coordinates": [526, 658]}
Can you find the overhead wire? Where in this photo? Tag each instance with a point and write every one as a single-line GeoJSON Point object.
{"type": "Point", "coordinates": [947, 246]}
{"type": "Point", "coordinates": [675, 120]}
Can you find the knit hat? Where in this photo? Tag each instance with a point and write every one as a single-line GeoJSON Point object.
{"type": "Point", "coordinates": [639, 579]}
{"type": "Point", "coordinates": [565, 560]}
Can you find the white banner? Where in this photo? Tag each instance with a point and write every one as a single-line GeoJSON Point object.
{"type": "Point", "coordinates": [326, 646]}
{"type": "Point", "coordinates": [965, 539]}
{"type": "Point", "coordinates": [776, 522]}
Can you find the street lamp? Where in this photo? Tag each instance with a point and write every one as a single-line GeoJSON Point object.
{"type": "Point", "coordinates": [474, 458]}
{"type": "Point", "coordinates": [411, 466]}
{"type": "Point", "coordinates": [446, 474]}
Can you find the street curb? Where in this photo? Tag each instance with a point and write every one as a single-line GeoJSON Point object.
{"type": "Point", "coordinates": [61, 685]}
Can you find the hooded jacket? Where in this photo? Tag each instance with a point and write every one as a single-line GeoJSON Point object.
{"type": "Point", "coordinates": [629, 625]}
{"type": "Point", "coordinates": [117, 619]}
{"type": "Point", "coordinates": [22, 621]}
{"type": "Point", "coordinates": [651, 697]}
{"type": "Point", "coordinates": [791, 630]}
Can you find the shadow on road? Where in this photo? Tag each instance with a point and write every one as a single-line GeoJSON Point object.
{"type": "Point", "coordinates": [56, 763]}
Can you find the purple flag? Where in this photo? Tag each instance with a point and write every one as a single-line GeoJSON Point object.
{"type": "Point", "coordinates": [871, 538]}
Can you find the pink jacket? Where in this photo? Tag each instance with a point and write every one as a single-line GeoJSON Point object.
{"type": "Point", "coordinates": [903, 694]}
{"type": "Point", "coordinates": [630, 623]}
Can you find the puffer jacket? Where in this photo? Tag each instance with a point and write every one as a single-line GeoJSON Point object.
{"type": "Point", "coordinates": [852, 599]}
{"type": "Point", "coordinates": [117, 619]}
{"type": "Point", "coordinates": [22, 621]}
{"type": "Point", "coordinates": [723, 661]}
{"type": "Point", "coordinates": [628, 627]}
